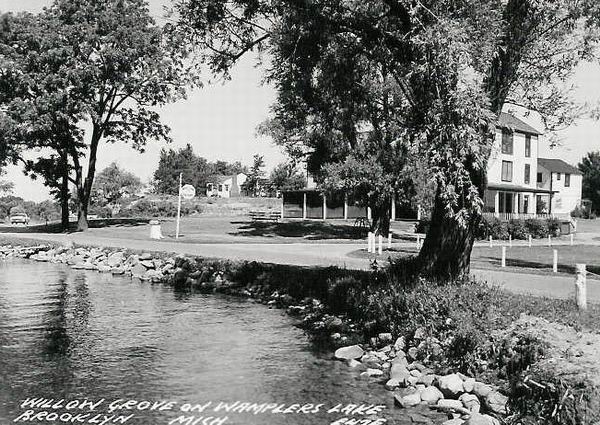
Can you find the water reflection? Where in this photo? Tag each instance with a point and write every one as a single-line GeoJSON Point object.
{"type": "Point", "coordinates": [75, 334]}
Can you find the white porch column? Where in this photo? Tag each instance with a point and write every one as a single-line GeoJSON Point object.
{"type": "Point", "coordinates": [304, 206]}
{"type": "Point", "coordinates": [497, 204]}
{"type": "Point", "coordinates": [345, 207]}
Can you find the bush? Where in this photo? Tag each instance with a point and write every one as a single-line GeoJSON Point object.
{"type": "Point", "coordinates": [494, 227]}
{"type": "Point", "coordinates": [537, 228]}
{"type": "Point", "coordinates": [517, 229]}
{"type": "Point", "coordinates": [553, 226]}
{"type": "Point", "coordinates": [157, 208]}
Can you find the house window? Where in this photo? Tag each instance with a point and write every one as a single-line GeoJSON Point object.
{"type": "Point", "coordinates": [528, 145]}
{"type": "Point", "coordinates": [539, 178]}
{"type": "Point", "coordinates": [220, 188]}
{"type": "Point", "coordinates": [507, 142]}
{"type": "Point", "coordinates": [507, 169]}
{"type": "Point", "coordinates": [209, 187]}
{"type": "Point", "coordinates": [226, 188]}
{"type": "Point", "coordinates": [567, 180]}
{"type": "Point", "coordinates": [526, 204]}
{"type": "Point", "coordinates": [557, 176]}
{"type": "Point", "coordinates": [527, 173]}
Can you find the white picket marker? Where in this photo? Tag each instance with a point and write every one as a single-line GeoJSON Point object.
{"type": "Point", "coordinates": [491, 241]}
{"type": "Point", "coordinates": [510, 241]}
{"type": "Point", "coordinates": [529, 241]}
{"type": "Point", "coordinates": [380, 250]}
{"type": "Point", "coordinates": [549, 240]}
{"type": "Point", "coordinates": [503, 256]}
{"type": "Point", "coordinates": [418, 241]}
{"type": "Point", "coordinates": [571, 239]}
{"type": "Point", "coordinates": [390, 240]}
{"type": "Point", "coordinates": [555, 261]}
{"type": "Point", "coordinates": [370, 235]}
{"type": "Point", "coordinates": [580, 287]}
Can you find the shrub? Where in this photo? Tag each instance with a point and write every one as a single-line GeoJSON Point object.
{"type": "Point", "coordinates": [494, 227]}
{"type": "Point", "coordinates": [157, 208]}
{"type": "Point", "coordinates": [517, 229]}
{"type": "Point", "coordinates": [553, 227]}
{"type": "Point", "coordinates": [537, 228]}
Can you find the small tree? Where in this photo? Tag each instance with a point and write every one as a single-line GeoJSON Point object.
{"type": "Point", "coordinates": [590, 168]}
{"type": "Point", "coordinates": [285, 176]}
{"type": "Point", "coordinates": [252, 184]}
{"type": "Point", "coordinates": [113, 183]}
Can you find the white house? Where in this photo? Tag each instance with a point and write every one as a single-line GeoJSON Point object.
{"type": "Point", "coordinates": [226, 186]}
{"type": "Point", "coordinates": [520, 183]}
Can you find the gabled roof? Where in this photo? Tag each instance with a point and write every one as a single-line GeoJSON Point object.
{"type": "Point", "coordinates": [218, 179]}
{"type": "Point", "coordinates": [510, 122]}
{"type": "Point", "coordinates": [557, 166]}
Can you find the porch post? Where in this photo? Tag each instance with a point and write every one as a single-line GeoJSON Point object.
{"type": "Point", "coordinates": [345, 206]}
{"type": "Point", "coordinates": [304, 206]}
{"type": "Point", "coordinates": [497, 204]}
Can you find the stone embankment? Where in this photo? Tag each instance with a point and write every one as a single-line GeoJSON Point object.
{"type": "Point", "coordinates": [393, 363]}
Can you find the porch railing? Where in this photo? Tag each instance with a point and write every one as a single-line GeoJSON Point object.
{"type": "Point", "coordinates": [523, 216]}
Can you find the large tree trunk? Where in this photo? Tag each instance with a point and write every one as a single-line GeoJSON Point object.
{"type": "Point", "coordinates": [380, 216]}
{"type": "Point", "coordinates": [446, 251]}
{"type": "Point", "coordinates": [64, 193]}
{"type": "Point", "coordinates": [84, 189]}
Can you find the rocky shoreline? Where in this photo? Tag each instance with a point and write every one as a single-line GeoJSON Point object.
{"type": "Point", "coordinates": [394, 363]}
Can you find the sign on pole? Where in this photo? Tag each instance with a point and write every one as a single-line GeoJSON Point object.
{"type": "Point", "coordinates": [188, 191]}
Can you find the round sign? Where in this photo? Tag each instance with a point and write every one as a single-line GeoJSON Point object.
{"type": "Point", "coordinates": [188, 191]}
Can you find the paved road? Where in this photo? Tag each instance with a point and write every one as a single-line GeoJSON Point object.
{"type": "Point", "coordinates": [322, 254]}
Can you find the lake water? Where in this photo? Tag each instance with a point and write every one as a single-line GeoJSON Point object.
{"type": "Point", "coordinates": [74, 335]}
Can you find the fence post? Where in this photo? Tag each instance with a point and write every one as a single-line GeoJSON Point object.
{"type": "Point", "coordinates": [529, 241]}
{"type": "Point", "coordinates": [555, 261]}
{"type": "Point", "coordinates": [370, 235]}
{"type": "Point", "coordinates": [503, 256]}
{"type": "Point", "coordinates": [389, 240]}
{"type": "Point", "coordinates": [571, 239]}
{"type": "Point", "coordinates": [580, 287]}
{"type": "Point", "coordinates": [418, 241]}
{"type": "Point", "coordinates": [510, 241]}
{"type": "Point", "coordinates": [491, 241]}
{"type": "Point", "coordinates": [380, 250]}
{"type": "Point", "coordinates": [549, 240]}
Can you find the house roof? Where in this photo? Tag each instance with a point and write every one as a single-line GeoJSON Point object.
{"type": "Point", "coordinates": [557, 166]}
{"type": "Point", "coordinates": [516, 188]}
{"type": "Point", "coordinates": [218, 178]}
{"type": "Point", "coordinates": [513, 123]}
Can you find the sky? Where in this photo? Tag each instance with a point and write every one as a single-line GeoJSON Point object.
{"type": "Point", "coordinates": [220, 121]}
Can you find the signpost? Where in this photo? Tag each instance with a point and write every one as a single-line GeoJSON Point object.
{"type": "Point", "coordinates": [186, 192]}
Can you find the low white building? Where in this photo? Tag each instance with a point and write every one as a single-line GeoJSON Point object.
{"type": "Point", "coordinates": [564, 181]}
{"type": "Point", "coordinates": [226, 186]}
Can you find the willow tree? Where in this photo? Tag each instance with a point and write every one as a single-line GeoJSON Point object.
{"type": "Point", "coordinates": [457, 64]}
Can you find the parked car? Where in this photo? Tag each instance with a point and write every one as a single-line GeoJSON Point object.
{"type": "Point", "coordinates": [19, 218]}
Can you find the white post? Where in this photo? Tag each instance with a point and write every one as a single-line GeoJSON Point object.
{"type": "Point", "coordinates": [580, 287]}
{"type": "Point", "coordinates": [389, 240]}
{"type": "Point", "coordinates": [369, 215]}
{"type": "Point", "coordinates": [491, 241]}
{"type": "Point", "coordinates": [281, 206]}
{"type": "Point", "coordinates": [503, 256]}
{"type": "Point", "coordinates": [510, 241]}
{"type": "Point", "coordinates": [345, 207]}
{"type": "Point", "coordinates": [555, 261]}
{"type": "Point", "coordinates": [324, 207]}
{"type": "Point", "coordinates": [549, 240]}
{"type": "Point", "coordinates": [393, 209]}
{"type": "Point", "coordinates": [529, 241]}
{"type": "Point", "coordinates": [178, 207]}
{"type": "Point", "coordinates": [369, 242]}
{"type": "Point", "coordinates": [304, 207]}
{"type": "Point", "coordinates": [380, 250]}
{"type": "Point", "coordinates": [571, 239]}
{"type": "Point", "coordinates": [418, 212]}
{"type": "Point", "coordinates": [418, 241]}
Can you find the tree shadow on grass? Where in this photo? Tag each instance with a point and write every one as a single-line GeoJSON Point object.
{"type": "Point", "coordinates": [55, 227]}
{"type": "Point", "coordinates": [311, 230]}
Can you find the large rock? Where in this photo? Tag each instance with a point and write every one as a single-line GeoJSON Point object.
{"type": "Point", "coordinates": [450, 405]}
{"type": "Point", "coordinates": [481, 390]}
{"type": "Point", "coordinates": [455, 421]}
{"type": "Point", "coordinates": [409, 400]}
{"type": "Point", "coordinates": [115, 259]}
{"type": "Point", "coordinates": [471, 402]}
{"type": "Point", "coordinates": [431, 395]}
{"type": "Point", "coordinates": [479, 419]}
{"type": "Point", "coordinates": [138, 271]}
{"type": "Point", "coordinates": [496, 402]}
{"type": "Point", "coordinates": [399, 372]}
{"type": "Point", "coordinates": [469, 385]}
{"type": "Point", "coordinates": [450, 385]}
{"type": "Point", "coordinates": [372, 373]}
{"type": "Point", "coordinates": [349, 352]}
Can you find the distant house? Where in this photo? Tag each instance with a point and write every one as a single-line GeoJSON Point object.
{"type": "Point", "coordinates": [520, 183]}
{"type": "Point", "coordinates": [226, 186]}
{"type": "Point", "coordinates": [564, 180]}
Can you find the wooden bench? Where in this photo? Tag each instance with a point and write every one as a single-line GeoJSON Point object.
{"type": "Point", "coordinates": [265, 215]}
